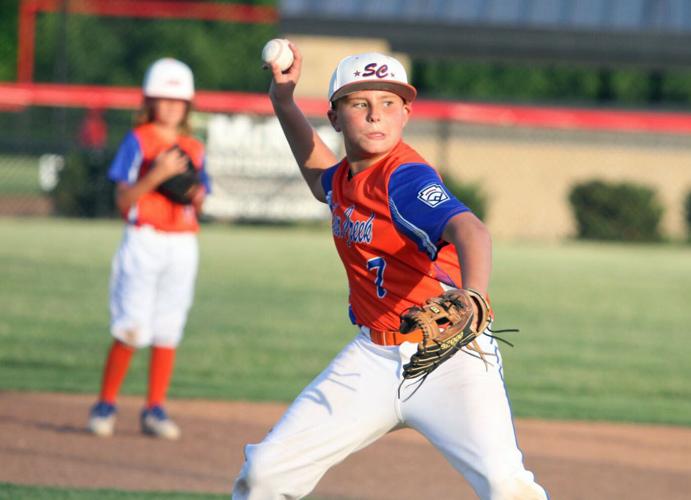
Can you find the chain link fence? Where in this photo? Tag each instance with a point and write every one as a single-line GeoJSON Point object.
{"type": "Point", "coordinates": [54, 159]}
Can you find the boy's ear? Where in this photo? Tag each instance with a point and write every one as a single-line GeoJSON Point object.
{"type": "Point", "coordinates": [332, 114]}
{"type": "Point", "coordinates": [407, 109]}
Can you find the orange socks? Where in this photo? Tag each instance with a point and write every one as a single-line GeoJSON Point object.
{"type": "Point", "coordinates": [160, 373]}
{"type": "Point", "coordinates": [117, 363]}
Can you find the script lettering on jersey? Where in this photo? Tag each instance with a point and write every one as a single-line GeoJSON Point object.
{"type": "Point", "coordinates": [353, 231]}
{"type": "Point", "coordinates": [372, 69]}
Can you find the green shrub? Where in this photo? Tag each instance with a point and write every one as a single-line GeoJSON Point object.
{"type": "Point", "coordinates": [616, 211]}
{"type": "Point", "coordinates": [471, 195]}
{"type": "Point", "coordinates": [83, 189]}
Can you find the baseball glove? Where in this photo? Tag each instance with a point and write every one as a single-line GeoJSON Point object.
{"type": "Point", "coordinates": [181, 187]}
{"type": "Point", "coordinates": [448, 322]}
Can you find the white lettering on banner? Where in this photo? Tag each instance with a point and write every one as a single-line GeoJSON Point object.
{"type": "Point", "coordinates": [253, 172]}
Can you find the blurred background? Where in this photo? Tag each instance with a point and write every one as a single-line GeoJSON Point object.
{"type": "Point", "coordinates": [564, 124]}
{"type": "Point", "coordinates": [553, 119]}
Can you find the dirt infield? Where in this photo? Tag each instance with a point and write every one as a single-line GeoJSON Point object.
{"type": "Point", "coordinates": [43, 442]}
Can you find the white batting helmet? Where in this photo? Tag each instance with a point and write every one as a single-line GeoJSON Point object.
{"type": "Point", "coordinates": [371, 71]}
{"type": "Point", "coordinates": [169, 78]}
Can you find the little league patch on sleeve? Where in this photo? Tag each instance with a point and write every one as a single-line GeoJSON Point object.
{"type": "Point", "coordinates": [433, 195]}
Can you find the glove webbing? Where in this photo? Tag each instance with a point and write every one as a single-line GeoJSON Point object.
{"type": "Point", "coordinates": [433, 352]}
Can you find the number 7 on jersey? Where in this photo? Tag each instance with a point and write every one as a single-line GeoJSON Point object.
{"type": "Point", "coordinates": [379, 265]}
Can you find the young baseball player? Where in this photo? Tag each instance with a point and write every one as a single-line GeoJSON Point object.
{"type": "Point", "coordinates": [403, 238]}
{"type": "Point", "coordinates": [155, 267]}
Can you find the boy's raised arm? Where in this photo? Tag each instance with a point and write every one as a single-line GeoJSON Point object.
{"type": "Point", "coordinates": [310, 152]}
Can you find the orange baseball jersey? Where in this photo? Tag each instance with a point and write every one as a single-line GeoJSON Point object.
{"type": "Point", "coordinates": [133, 160]}
{"type": "Point", "coordinates": [387, 224]}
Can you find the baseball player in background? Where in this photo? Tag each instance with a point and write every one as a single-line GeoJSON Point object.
{"type": "Point", "coordinates": [155, 267]}
{"type": "Point", "coordinates": [403, 238]}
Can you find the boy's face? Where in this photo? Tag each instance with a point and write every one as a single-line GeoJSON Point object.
{"type": "Point", "coordinates": [170, 112]}
{"type": "Point", "coordinates": [372, 122]}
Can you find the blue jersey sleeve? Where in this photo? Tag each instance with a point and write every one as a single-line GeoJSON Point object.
{"type": "Point", "coordinates": [327, 181]}
{"type": "Point", "coordinates": [128, 159]}
{"type": "Point", "coordinates": [421, 205]}
{"type": "Point", "coordinates": [204, 177]}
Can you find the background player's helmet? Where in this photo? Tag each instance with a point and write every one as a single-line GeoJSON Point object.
{"type": "Point", "coordinates": [370, 71]}
{"type": "Point", "coordinates": [169, 78]}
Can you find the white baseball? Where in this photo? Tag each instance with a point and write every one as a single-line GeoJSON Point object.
{"type": "Point", "coordinates": [278, 51]}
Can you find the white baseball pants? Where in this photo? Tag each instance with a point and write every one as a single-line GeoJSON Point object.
{"type": "Point", "coordinates": [462, 409]}
{"type": "Point", "coordinates": [152, 286]}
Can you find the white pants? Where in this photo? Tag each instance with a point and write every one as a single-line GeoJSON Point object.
{"type": "Point", "coordinates": [462, 409]}
{"type": "Point", "coordinates": [152, 286]}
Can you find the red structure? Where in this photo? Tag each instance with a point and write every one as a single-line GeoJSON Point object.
{"type": "Point", "coordinates": [25, 93]}
{"type": "Point", "coordinates": [206, 11]}
{"type": "Point", "coordinates": [17, 96]}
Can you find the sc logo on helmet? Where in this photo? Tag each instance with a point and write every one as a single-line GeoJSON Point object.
{"type": "Point", "coordinates": [372, 70]}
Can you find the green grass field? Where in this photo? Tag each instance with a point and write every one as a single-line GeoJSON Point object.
{"type": "Point", "coordinates": [14, 492]}
{"type": "Point", "coordinates": [604, 327]}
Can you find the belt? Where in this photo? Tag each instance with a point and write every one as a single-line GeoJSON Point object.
{"type": "Point", "coordinates": [386, 337]}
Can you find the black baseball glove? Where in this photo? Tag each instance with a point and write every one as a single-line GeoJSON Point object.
{"type": "Point", "coordinates": [181, 187]}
